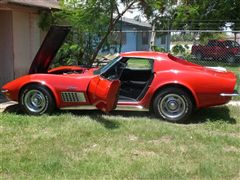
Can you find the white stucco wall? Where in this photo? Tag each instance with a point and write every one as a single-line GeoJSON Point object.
{"type": "Point", "coordinates": [26, 35]}
{"type": "Point", "coordinates": [20, 39]}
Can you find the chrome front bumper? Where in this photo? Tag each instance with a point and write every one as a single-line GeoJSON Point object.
{"type": "Point", "coordinates": [234, 94]}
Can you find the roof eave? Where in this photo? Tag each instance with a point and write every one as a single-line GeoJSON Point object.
{"type": "Point", "coordinates": [35, 5]}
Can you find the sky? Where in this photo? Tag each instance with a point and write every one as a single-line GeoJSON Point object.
{"type": "Point", "coordinates": [132, 13]}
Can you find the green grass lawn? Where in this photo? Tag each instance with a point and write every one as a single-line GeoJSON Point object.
{"type": "Point", "coordinates": [131, 145]}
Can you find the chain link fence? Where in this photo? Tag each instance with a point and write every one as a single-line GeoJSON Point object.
{"type": "Point", "coordinates": [208, 47]}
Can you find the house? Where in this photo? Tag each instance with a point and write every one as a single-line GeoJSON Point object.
{"type": "Point", "coordinates": [135, 36]}
{"type": "Point", "coordinates": [234, 37]}
{"type": "Point", "coordinates": [20, 36]}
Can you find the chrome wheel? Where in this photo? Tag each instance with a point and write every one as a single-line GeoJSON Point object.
{"type": "Point", "coordinates": [172, 106]}
{"type": "Point", "coordinates": [35, 101]}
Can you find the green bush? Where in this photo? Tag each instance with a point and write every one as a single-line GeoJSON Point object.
{"type": "Point", "coordinates": [158, 49]}
{"type": "Point", "coordinates": [178, 49]}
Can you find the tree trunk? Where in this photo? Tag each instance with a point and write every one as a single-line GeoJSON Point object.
{"type": "Point", "coordinates": [98, 48]}
{"type": "Point", "coordinates": [110, 28]}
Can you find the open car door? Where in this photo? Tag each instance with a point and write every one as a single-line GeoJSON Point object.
{"type": "Point", "coordinates": [103, 93]}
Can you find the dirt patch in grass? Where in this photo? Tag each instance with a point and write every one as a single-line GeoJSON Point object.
{"type": "Point", "coordinates": [132, 138]}
{"type": "Point", "coordinates": [231, 149]}
{"type": "Point", "coordinates": [143, 153]}
{"type": "Point", "coordinates": [164, 139]}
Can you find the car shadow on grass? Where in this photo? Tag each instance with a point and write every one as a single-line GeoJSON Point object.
{"type": "Point", "coordinates": [108, 124]}
{"type": "Point", "coordinates": [213, 114]}
{"type": "Point", "coordinates": [97, 116]}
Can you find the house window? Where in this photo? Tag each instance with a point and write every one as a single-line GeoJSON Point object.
{"type": "Point", "coordinates": [123, 38]}
{"type": "Point", "coordinates": [163, 40]}
{"type": "Point", "coordinates": [145, 38]}
{"type": "Point", "coordinates": [117, 37]}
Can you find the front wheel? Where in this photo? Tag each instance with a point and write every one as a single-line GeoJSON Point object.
{"type": "Point", "coordinates": [173, 105]}
{"type": "Point", "coordinates": [37, 100]}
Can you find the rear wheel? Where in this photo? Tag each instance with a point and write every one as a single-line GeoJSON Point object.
{"type": "Point", "coordinates": [173, 105]}
{"type": "Point", "coordinates": [37, 100]}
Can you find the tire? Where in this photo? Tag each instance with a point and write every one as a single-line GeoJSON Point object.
{"type": "Point", "coordinates": [37, 100]}
{"type": "Point", "coordinates": [173, 105]}
{"type": "Point", "coordinates": [199, 56]}
{"type": "Point", "coordinates": [230, 59]}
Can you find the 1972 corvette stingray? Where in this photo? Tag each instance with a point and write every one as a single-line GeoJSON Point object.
{"type": "Point", "coordinates": [169, 86]}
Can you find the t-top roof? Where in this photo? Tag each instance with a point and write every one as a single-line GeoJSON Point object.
{"type": "Point", "coordinates": [145, 54]}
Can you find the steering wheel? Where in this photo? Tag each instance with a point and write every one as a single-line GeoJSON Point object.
{"type": "Point", "coordinates": [118, 68]}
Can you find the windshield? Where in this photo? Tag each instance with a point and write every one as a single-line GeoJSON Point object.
{"type": "Point", "coordinates": [107, 66]}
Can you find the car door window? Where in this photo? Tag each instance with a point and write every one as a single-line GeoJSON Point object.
{"type": "Point", "coordinates": [115, 71]}
{"type": "Point", "coordinates": [138, 63]}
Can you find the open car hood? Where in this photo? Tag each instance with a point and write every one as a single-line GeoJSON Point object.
{"type": "Point", "coordinates": [49, 48]}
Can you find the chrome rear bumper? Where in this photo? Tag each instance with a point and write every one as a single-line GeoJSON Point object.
{"type": "Point", "coordinates": [234, 94]}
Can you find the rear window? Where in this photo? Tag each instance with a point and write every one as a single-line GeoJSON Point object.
{"type": "Point", "coordinates": [181, 61]}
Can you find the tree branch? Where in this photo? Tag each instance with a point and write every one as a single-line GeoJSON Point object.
{"type": "Point", "coordinates": [111, 26]}
{"type": "Point", "coordinates": [117, 9]}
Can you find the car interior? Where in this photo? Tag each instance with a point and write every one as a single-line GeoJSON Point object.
{"type": "Point", "coordinates": [135, 74]}
{"type": "Point", "coordinates": [134, 84]}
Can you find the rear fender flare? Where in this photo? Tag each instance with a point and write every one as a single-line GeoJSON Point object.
{"type": "Point", "coordinates": [178, 85]}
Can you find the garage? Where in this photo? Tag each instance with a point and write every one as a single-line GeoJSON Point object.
{"type": "Point", "coordinates": [20, 36]}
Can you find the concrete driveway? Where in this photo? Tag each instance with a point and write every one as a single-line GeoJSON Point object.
{"type": "Point", "coordinates": [2, 98]}
{"type": "Point", "coordinates": [4, 103]}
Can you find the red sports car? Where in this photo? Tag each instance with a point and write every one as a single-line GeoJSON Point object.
{"type": "Point", "coordinates": [171, 87]}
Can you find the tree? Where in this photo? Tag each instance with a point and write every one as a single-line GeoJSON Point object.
{"type": "Point", "coordinates": [112, 22]}
{"type": "Point", "coordinates": [196, 14]}
{"type": "Point", "coordinates": [92, 21]}
{"type": "Point", "coordinates": [193, 14]}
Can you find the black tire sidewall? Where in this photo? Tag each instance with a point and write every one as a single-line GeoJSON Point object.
{"type": "Point", "coordinates": [186, 97]}
{"type": "Point", "coordinates": [50, 103]}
